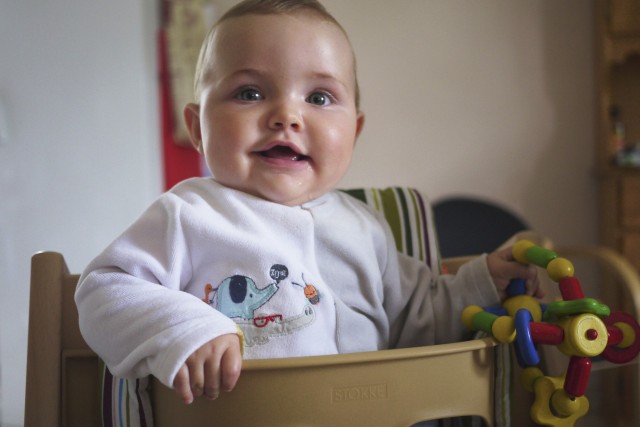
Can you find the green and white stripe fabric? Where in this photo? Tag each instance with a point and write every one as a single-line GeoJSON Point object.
{"type": "Point", "coordinates": [125, 402]}
{"type": "Point", "coordinates": [410, 219]}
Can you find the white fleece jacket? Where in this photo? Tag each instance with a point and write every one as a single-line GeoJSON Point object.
{"type": "Point", "coordinates": [320, 278]}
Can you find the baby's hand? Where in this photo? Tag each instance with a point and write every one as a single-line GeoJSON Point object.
{"type": "Point", "coordinates": [212, 368]}
{"type": "Point", "coordinates": [503, 267]}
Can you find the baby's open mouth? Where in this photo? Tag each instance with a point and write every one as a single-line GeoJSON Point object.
{"type": "Point", "coordinates": [284, 153]}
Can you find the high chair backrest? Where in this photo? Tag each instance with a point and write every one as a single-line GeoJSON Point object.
{"type": "Point", "coordinates": [385, 388]}
{"type": "Point", "coordinates": [62, 380]}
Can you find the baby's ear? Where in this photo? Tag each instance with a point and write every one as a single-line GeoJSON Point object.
{"type": "Point", "coordinates": [192, 122]}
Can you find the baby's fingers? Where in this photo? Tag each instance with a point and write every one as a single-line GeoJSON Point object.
{"type": "Point", "coordinates": [533, 287]}
{"type": "Point", "coordinates": [231, 366]}
{"type": "Point", "coordinates": [182, 386]}
{"type": "Point", "coordinates": [222, 373]}
{"type": "Point", "coordinates": [212, 379]}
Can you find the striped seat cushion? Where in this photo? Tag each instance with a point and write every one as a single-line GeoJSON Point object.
{"type": "Point", "coordinates": [410, 219]}
{"type": "Point", "coordinates": [124, 402]}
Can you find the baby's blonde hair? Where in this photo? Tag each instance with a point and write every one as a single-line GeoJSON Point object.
{"type": "Point", "coordinates": [266, 7]}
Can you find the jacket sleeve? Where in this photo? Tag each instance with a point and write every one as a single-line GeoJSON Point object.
{"type": "Point", "coordinates": [424, 309]}
{"type": "Point", "coordinates": [132, 308]}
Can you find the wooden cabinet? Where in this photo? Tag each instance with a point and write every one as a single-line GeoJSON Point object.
{"type": "Point", "coordinates": [618, 77]}
{"type": "Point", "coordinates": [624, 17]}
{"type": "Point", "coordinates": [618, 92]}
{"type": "Point", "coordinates": [630, 217]}
{"type": "Point", "coordinates": [620, 212]}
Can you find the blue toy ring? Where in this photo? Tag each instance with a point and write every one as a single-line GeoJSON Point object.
{"type": "Point", "coordinates": [525, 348]}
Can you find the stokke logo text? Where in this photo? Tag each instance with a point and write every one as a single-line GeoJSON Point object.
{"type": "Point", "coordinates": [360, 392]}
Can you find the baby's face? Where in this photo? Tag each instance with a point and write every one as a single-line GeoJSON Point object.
{"type": "Point", "coordinates": [277, 115]}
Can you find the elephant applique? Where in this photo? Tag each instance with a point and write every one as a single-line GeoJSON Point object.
{"type": "Point", "coordinates": [238, 296]}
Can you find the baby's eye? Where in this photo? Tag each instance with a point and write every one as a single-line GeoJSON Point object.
{"type": "Point", "coordinates": [319, 98]}
{"type": "Point", "coordinates": [249, 95]}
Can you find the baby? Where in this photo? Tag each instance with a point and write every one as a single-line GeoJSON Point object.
{"type": "Point", "coordinates": [265, 257]}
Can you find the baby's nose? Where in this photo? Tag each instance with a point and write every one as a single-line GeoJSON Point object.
{"type": "Point", "coordinates": [286, 116]}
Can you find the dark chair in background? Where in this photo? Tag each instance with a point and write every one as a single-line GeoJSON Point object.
{"type": "Point", "coordinates": [471, 226]}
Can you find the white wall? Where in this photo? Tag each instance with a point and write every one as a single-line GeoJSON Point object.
{"type": "Point", "coordinates": [492, 98]}
{"type": "Point", "coordinates": [77, 84]}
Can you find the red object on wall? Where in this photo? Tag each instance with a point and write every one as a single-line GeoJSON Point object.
{"type": "Point", "coordinates": [180, 161]}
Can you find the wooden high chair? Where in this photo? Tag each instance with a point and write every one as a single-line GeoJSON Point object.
{"type": "Point", "coordinates": [385, 388]}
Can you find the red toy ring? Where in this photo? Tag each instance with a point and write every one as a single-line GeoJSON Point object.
{"type": "Point", "coordinates": [618, 354]}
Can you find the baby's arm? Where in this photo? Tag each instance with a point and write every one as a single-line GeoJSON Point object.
{"type": "Point", "coordinates": [132, 305]}
{"type": "Point", "coordinates": [503, 267]}
{"type": "Point", "coordinates": [140, 328]}
{"type": "Point", "coordinates": [427, 310]}
{"type": "Point", "coordinates": [212, 368]}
